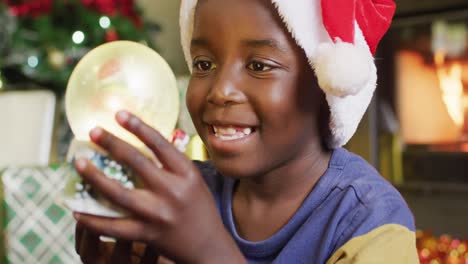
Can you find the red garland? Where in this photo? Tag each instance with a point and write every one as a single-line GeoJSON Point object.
{"type": "Point", "coordinates": [31, 8]}
{"type": "Point", "coordinates": [107, 7]}
{"type": "Point", "coordinates": [35, 8]}
{"type": "Point", "coordinates": [113, 7]}
{"type": "Point", "coordinates": [128, 10]}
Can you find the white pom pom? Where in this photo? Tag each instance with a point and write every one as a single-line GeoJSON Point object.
{"type": "Point", "coordinates": [342, 68]}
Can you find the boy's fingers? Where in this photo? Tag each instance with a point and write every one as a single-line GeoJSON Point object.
{"type": "Point", "coordinates": [79, 230]}
{"type": "Point", "coordinates": [89, 248]}
{"type": "Point", "coordinates": [115, 192]}
{"type": "Point", "coordinates": [122, 252]}
{"type": "Point", "coordinates": [128, 155]}
{"type": "Point", "coordinates": [171, 158]}
{"type": "Point", "coordinates": [150, 256]}
{"type": "Point", "coordinates": [121, 228]}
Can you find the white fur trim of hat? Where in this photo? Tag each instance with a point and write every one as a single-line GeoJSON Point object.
{"type": "Point", "coordinates": [339, 38]}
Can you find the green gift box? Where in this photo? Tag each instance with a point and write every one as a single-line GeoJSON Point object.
{"type": "Point", "coordinates": [35, 227]}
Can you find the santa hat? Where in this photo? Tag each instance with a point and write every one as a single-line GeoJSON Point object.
{"type": "Point", "coordinates": [339, 38]}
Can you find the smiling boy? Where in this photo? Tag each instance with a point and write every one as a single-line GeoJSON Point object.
{"type": "Point", "coordinates": [273, 103]}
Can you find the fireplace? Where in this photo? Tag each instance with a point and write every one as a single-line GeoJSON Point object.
{"type": "Point", "coordinates": [418, 123]}
{"type": "Point", "coordinates": [422, 99]}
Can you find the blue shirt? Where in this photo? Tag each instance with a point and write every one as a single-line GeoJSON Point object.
{"type": "Point", "coordinates": [348, 214]}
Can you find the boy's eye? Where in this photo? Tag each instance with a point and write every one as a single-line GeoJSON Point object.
{"type": "Point", "coordinates": [203, 65]}
{"type": "Point", "coordinates": [258, 66]}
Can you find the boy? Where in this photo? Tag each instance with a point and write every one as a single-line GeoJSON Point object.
{"type": "Point", "coordinates": [278, 189]}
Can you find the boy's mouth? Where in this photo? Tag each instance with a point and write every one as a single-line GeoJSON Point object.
{"type": "Point", "coordinates": [231, 132]}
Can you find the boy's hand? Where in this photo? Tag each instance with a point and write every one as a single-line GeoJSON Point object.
{"type": "Point", "coordinates": [92, 250]}
{"type": "Point", "coordinates": [175, 213]}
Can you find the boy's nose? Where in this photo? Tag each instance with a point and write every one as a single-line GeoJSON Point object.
{"type": "Point", "coordinates": [225, 91]}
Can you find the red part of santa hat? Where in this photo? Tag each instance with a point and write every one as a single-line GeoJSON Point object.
{"type": "Point", "coordinates": [373, 17]}
{"type": "Point", "coordinates": [344, 67]}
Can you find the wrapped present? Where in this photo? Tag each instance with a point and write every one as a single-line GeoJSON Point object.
{"type": "Point", "coordinates": [27, 127]}
{"type": "Point", "coordinates": [36, 229]}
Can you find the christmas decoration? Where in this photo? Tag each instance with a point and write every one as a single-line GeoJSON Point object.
{"type": "Point", "coordinates": [48, 37]}
{"type": "Point", "coordinates": [339, 41]}
{"type": "Point", "coordinates": [121, 75]}
{"type": "Point", "coordinates": [56, 59]}
{"type": "Point", "coordinates": [441, 250]}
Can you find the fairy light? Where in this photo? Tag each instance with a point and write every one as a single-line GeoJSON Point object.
{"type": "Point", "coordinates": [33, 61]}
{"type": "Point", "coordinates": [78, 37]}
{"type": "Point", "coordinates": [105, 22]}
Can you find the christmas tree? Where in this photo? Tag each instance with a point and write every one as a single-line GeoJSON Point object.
{"type": "Point", "coordinates": [42, 40]}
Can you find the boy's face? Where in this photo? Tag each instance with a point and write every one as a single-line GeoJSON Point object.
{"type": "Point", "coordinates": [252, 96]}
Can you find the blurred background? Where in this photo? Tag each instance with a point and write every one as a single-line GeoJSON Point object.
{"type": "Point", "coordinates": [415, 132]}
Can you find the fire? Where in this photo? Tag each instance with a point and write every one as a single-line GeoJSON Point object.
{"type": "Point", "coordinates": [450, 80]}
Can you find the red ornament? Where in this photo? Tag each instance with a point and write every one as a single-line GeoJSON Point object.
{"type": "Point", "coordinates": [111, 35]}
{"type": "Point", "coordinates": [180, 139]}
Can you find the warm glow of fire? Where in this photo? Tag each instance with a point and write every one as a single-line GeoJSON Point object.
{"type": "Point", "coordinates": [450, 80]}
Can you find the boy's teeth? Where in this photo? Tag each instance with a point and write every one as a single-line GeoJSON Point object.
{"type": "Point", "coordinates": [233, 137]}
{"type": "Point", "coordinates": [231, 133]}
{"type": "Point", "coordinates": [229, 130]}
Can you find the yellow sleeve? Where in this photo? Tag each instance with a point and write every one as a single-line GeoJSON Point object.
{"type": "Point", "coordinates": [391, 243]}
